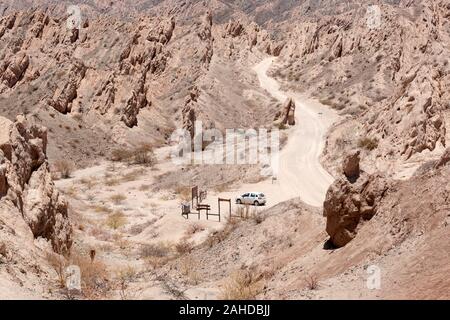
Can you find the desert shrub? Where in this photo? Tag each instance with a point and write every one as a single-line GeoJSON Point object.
{"type": "Point", "coordinates": [64, 168]}
{"type": "Point", "coordinates": [368, 143]}
{"type": "Point", "coordinates": [124, 277]}
{"type": "Point", "coordinates": [121, 154]}
{"type": "Point", "coordinates": [193, 229]}
{"type": "Point", "coordinates": [183, 247]}
{"type": "Point", "coordinates": [116, 220]}
{"type": "Point", "coordinates": [142, 155]}
{"type": "Point", "coordinates": [184, 193]}
{"type": "Point", "coordinates": [117, 198]}
{"type": "Point", "coordinates": [156, 255]}
{"type": "Point", "coordinates": [158, 250]}
{"type": "Point", "coordinates": [312, 282]}
{"type": "Point", "coordinates": [188, 268]}
{"type": "Point", "coordinates": [94, 275]}
{"type": "Point", "coordinates": [242, 285]}
{"type": "Point", "coordinates": [59, 264]}
{"type": "Point", "coordinates": [111, 182]}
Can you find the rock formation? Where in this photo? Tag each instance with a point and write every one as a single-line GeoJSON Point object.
{"type": "Point", "coordinates": [13, 69]}
{"type": "Point", "coordinates": [351, 166]}
{"type": "Point", "coordinates": [205, 35]}
{"type": "Point", "coordinates": [26, 188]}
{"type": "Point", "coordinates": [287, 113]}
{"type": "Point", "coordinates": [351, 200]}
{"type": "Point", "coordinates": [137, 101]}
{"type": "Point", "coordinates": [64, 96]}
{"type": "Point", "coordinates": [188, 111]}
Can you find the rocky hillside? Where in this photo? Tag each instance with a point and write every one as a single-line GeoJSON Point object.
{"type": "Point", "coordinates": [115, 81]}
{"type": "Point", "coordinates": [386, 73]}
{"type": "Point", "coordinates": [291, 252]}
{"type": "Point", "coordinates": [132, 72]}
{"type": "Point", "coordinates": [33, 215]}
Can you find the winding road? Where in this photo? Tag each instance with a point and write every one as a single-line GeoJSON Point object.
{"type": "Point", "coordinates": [300, 173]}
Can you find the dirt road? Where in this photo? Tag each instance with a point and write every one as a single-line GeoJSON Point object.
{"type": "Point", "coordinates": [300, 172]}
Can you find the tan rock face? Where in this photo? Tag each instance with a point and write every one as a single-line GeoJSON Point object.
{"type": "Point", "coordinates": [26, 187]}
{"type": "Point", "coordinates": [351, 165]}
{"type": "Point", "coordinates": [287, 113]}
{"type": "Point", "coordinates": [64, 96]}
{"type": "Point", "coordinates": [351, 202]}
{"type": "Point", "coordinates": [393, 80]}
{"type": "Point", "coordinates": [188, 111]}
{"type": "Point", "coordinates": [234, 28]}
{"type": "Point", "coordinates": [12, 70]}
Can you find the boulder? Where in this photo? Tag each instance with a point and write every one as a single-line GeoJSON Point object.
{"type": "Point", "coordinates": [351, 200]}
{"type": "Point", "coordinates": [351, 165]}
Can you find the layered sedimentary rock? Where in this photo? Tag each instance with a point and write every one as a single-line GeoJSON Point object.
{"type": "Point", "coordinates": [26, 188]}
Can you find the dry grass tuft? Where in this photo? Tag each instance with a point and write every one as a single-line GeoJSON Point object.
{"type": "Point", "coordinates": [242, 285]}
{"type": "Point", "coordinates": [368, 143]}
{"type": "Point", "coordinates": [94, 275]}
{"type": "Point", "coordinates": [116, 220]}
{"type": "Point", "coordinates": [117, 198]}
{"type": "Point", "coordinates": [142, 155]}
{"type": "Point", "coordinates": [59, 264]}
{"type": "Point", "coordinates": [156, 255]}
{"type": "Point", "coordinates": [193, 229]}
{"type": "Point", "coordinates": [124, 278]}
{"type": "Point", "coordinates": [312, 282]}
{"type": "Point", "coordinates": [183, 247]}
{"type": "Point", "coordinates": [64, 168]}
{"type": "Point", "coordinates": [101, 209]}
{"type": "Point", "coordinates": [188, 268]}
{"type": "Point", "coordinates": [159, 250]}
{"type": "Point", "coordinates": [184, 193]}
